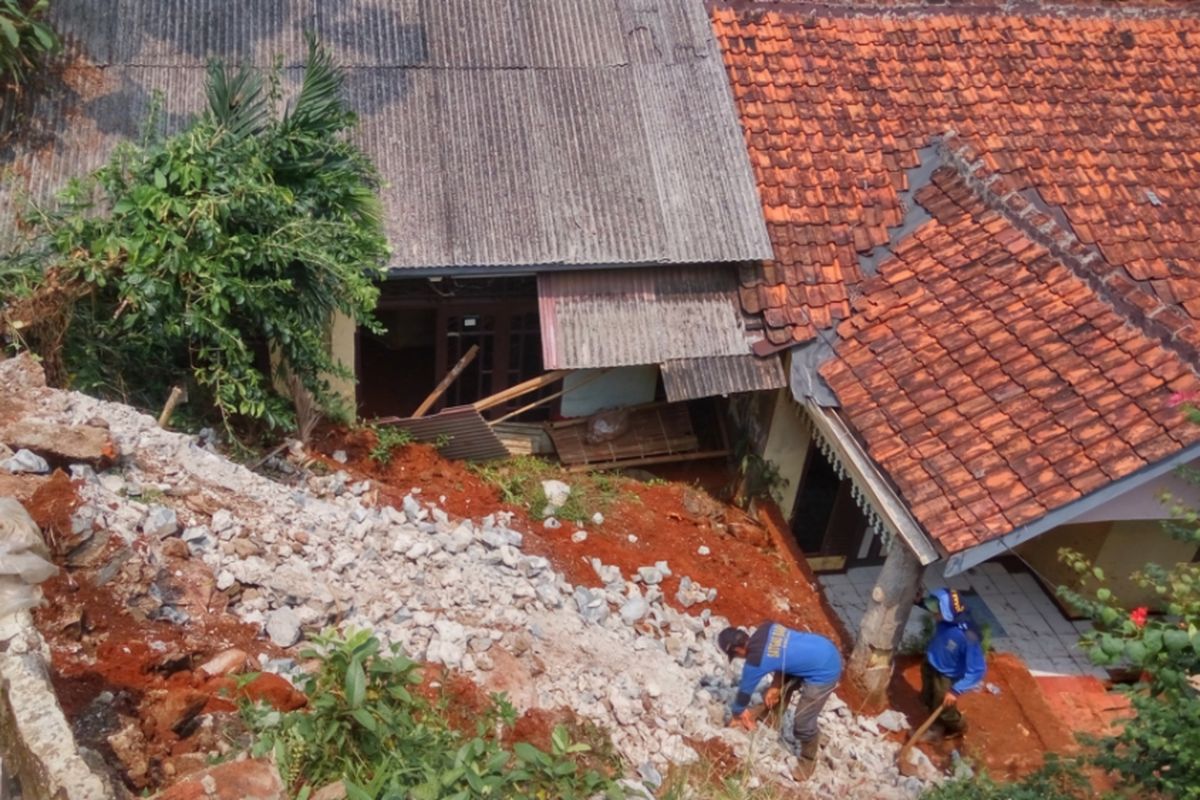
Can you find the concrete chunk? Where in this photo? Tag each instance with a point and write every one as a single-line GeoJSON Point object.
{"type": "Point", "coordinates": [73, 444]}
{"type": "Point", "coordinates": [36, 742]}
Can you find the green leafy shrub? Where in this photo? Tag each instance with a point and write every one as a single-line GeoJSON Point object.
{"type": "Point", "coordinates": [387, 439]}
{"type": "Point", "coordinates": [1157, 751]}
{"type": "Point", "coordinates": [761, 477]}
{"type": "Point", "coordinates": [1056, 780]}
{"type": "Point", "coordinates": [25, 38]}
{"type": "Point", "coordinates": [215, 257]}
{"type": "Point", "coordinates": [367, 727]}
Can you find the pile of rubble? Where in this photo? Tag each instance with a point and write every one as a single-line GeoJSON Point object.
{"type": "Point", "coordinates": [461, 593]}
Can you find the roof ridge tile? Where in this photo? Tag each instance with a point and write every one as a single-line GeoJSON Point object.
{"type": "Point", "coordinates": [1126, 295]}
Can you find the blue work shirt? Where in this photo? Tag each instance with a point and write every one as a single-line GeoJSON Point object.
{"type": "Point", "coordinates": [957, 654]}
{"type": "Point", "coordinates": [773, 648]}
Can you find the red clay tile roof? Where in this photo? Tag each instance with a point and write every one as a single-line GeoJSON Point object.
{"type": "Point", "coordinates": [990, 375]}
{"type": "Point", "coordinates": [1099, 112]}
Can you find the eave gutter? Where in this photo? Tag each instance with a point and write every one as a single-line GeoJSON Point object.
{"type": "Point", "coordinates": [858, 465]}
{"type": "Point", "coordinates": [525, 270]}
{"type": "Point", "coordinates": [973, 556]}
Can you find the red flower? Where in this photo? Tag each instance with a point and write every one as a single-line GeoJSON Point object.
{"type": "Point", "coordinates": [1179, 398]}
{"type": "Point", "coordinates": [1139, 615]}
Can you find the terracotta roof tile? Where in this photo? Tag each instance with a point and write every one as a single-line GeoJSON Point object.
{"type": "Point", "coordinates": [988, 417]}
{"type": "Point", "coordinates": [1090, 109]}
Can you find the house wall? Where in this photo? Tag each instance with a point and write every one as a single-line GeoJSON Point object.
{"type": "Point", "coordinates": [1119, 547]}
{"type": "Point", "coordinates": [587, 393]}
{"type": "Point", "coordinates": [342, 344]}
{"type": "Point", "coordinates": [1042, 553]}
{"type": "Point", "coordinates": [1132, 543]}
{"type": "Point", "coordinates": [787, 446]}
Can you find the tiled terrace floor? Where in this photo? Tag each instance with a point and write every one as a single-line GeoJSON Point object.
{"type": "Point", "coordinates": [1025, 621]}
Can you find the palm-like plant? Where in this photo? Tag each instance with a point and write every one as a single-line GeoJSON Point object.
{"type": "Point", "coordinates": [238, 103]}
{"type": "Point", "coordinates": [24, 38]}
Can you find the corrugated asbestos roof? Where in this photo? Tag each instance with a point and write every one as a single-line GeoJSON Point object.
{"type": "Point", "coordinates": [625, 317]}
{"type": "Point", "coordinates": [692, 378]}
{"type": "Point", "coordinates": [466, 434]}
{"type": "Point", "coordinates": [531, 133]}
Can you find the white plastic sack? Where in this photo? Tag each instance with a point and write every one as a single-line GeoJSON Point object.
{"type": "Point", "coordinates": [24, 556]}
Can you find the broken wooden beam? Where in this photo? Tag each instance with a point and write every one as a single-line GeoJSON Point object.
{"type": "Point", "coordinates": [178, 395]}
{"type": "Point", "coordinates": [549, 397]}
{"type": "Point", "coordinates": [451, 376]}
{"type": "Point", "coordinates": [520, 390]}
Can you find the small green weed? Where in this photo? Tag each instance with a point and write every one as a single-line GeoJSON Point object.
{"type": "Point", "coordinates": [1058, 779]}
{"type": "Point", "coordinates": [519, 481]}
{"type": "Point", "coordinates": [366, 727]}
{"type": "Point", "coordinates": [387, 439]}
{"type": "Point", "coordinates": [27, 39]}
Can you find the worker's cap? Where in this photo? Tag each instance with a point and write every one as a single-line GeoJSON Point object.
{"type": "Point", "coordinates": [947, 602]}
{"type": "Point", "coordinates": [731, 638]}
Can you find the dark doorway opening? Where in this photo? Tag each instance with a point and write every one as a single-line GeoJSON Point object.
{"type": "Point", "coordinates": [398, 367]}
{"type": "Point", "coordinates": [431, 325]}
{"type": "Point", "coordinates": [827, 521]}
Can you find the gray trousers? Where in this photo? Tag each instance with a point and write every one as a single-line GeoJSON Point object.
{"type": "Point", "coordinates": [812, 697]}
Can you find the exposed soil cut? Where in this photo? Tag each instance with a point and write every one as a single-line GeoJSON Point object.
{"type": "Point", "coordinates": [756, 578]}
{"type": "Point", "coordinates": [1010, 730]}
{"type": "Point", "coordinates": [669, 522]}
{"type": "Point", "coordinates": [132, 687]}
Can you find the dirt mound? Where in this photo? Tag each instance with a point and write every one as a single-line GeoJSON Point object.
{"type": "Point", "coordinates": [130, 685]}
{"type": "Point", "coordinates": [714, 544]}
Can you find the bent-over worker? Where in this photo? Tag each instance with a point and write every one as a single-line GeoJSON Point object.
{"type": "Point", "coordinates": [801, 663]}
{"type": "Point", "coordinates": [954, 660]}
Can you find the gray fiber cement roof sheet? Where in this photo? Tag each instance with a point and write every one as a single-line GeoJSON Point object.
{"type": "Point", "coordinates": [527, 133]}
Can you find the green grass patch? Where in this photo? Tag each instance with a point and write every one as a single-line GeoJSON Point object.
{"type": "Point", "coordinates": [387, 439]}
{"type": "Point", "coordinates": [519, 481]}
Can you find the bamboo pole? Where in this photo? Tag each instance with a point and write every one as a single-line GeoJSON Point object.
{"type": "Point", "coordinates": [177, 396]}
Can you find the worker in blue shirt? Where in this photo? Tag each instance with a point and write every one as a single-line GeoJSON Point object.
{"type": "Point", "coordinates": [806, 664]}
{"type": "Point", "coordinates": [954, 660]}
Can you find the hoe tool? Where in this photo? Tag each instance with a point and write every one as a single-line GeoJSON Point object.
{"type": "Point", "coordinates": [907, 769]}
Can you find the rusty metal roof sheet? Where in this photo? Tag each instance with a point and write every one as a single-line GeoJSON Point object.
{"type": "Point", "coordinates": [467, 434]}
{"type": "Point", "coordinates": [535, 134]}
{"type": "Point", "coordinates": [626, 317]}
{"type": "Point", "coordinates": [691, 378]}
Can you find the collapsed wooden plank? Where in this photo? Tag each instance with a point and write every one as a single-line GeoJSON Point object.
{"type": "Point", "coordinates": [543, 400]}
{"type": "Point", "coordinates": [653, 430]}
{"type": "Point", "coordinates": [521, 389]}
{"type": "Point", "coordinates": [698, 455]}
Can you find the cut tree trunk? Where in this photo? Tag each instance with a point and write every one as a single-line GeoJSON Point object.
{"type": "Point", "coordinates": [883, 625]}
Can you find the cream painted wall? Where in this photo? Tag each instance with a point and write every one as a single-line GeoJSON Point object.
{"type": "Point", "coordinates": [587, 392]}
{"type": "Point", "coordinates": [1119, 548]}
{"type": "Point", "coordinates": [342, 344]}
{"type": "Point", "coordinates": [1042, 553]}
{"type": "Point", "coordinates": [788, 440]}
{"type": "Point", "coordinates": [1132, 543]}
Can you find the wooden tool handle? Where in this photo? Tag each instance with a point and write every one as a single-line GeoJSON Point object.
{"type": "Point", "coordinates": [937, 712]}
